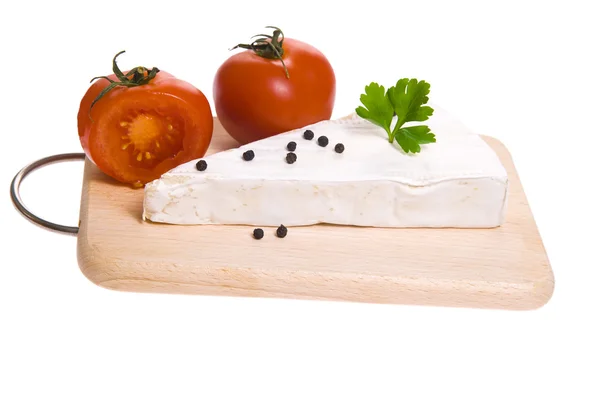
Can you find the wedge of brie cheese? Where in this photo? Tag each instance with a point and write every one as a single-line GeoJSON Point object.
{"type": "Point", "coordinates": [456, 182]}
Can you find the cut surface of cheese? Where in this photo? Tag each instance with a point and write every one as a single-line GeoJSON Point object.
{"type": "Point", "coordinates": [456, 182]}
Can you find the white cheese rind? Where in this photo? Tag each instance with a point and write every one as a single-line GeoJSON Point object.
{"type": "Point", "coordinates": [456, 182]}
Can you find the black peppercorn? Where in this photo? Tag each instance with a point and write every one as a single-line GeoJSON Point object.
{"type": "Point", "coordinates": [323, 141]}
{"type": "Point", "coordinates": [339, 148]}
{"type": "Point", "coordinates": [291, 158]}
{"type": "Point", "coordinates": [281, 231]}
{"type": "Point", "coordinates": [291, 146]}
{"type": "Point", "coordinates": [308, 134]}
{"type": "Point", "coordinates": [258, 233]}
{"type": "Point", "coordinates": [201, 165]}
{"type": "Point", "coordinates": [248, 155]}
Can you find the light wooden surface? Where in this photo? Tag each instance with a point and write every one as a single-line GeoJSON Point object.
{"type": "Point", "coordinates": [505, 267]}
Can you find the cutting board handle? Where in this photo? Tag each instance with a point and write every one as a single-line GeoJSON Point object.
{"type": "Point", "coordinates": [22, 174]}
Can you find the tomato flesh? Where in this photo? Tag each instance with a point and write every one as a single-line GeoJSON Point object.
{"type": "Point", "coordinates": [136, 134]}
{"type": "Point", "coordinates": [142, 135]}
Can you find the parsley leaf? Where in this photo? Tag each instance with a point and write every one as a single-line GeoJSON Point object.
{"type": "Point", "coordinates": [407, 98]}
{"type": "Point", "coordinates": [411, 137]}
{"type": "Point", "coordinates": [407, 101]}
{"type": "Point", "coordinates": [378, 108]}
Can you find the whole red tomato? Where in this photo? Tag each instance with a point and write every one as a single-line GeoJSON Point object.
{"type": "Point", "coordinates": [274, 86]}
{"type": "Point", "coordinates": [143, 124]}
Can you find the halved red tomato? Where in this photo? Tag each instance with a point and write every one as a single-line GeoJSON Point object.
{"type": "Point", "coordinates": [137, 125]}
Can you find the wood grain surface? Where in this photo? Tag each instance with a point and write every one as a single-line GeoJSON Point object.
{"type": "Point", "coordinates": [504, 267]}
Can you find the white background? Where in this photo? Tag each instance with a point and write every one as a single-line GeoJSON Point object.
{"type": "Point", "coordinates": [525, 72]}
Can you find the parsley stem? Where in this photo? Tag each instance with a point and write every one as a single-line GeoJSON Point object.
{"type": "Point", "coordinates": [390, 134]}
{"type": "Point", "coordinates": [397, 127]}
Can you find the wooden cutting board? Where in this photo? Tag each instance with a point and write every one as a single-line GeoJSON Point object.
{"type": "Point", "coordinates": [504, 267]}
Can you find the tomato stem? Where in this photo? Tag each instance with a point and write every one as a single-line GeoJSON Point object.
{"type": "Point", "coordinates": [268, 46]}
{"type": "Point", "coordinates": [135, 77]}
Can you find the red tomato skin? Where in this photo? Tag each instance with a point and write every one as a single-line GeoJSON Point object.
{"type": "Point", "coordinates": [101, 143]}
{"type": "Point", "coordinates": [254, 99]}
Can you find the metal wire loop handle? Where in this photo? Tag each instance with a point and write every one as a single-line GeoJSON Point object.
{"type": "Point", "coordinates": [22, 174]}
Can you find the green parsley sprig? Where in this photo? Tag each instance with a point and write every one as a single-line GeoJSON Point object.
{"type": "Point", "coordinates": [407, 101]}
